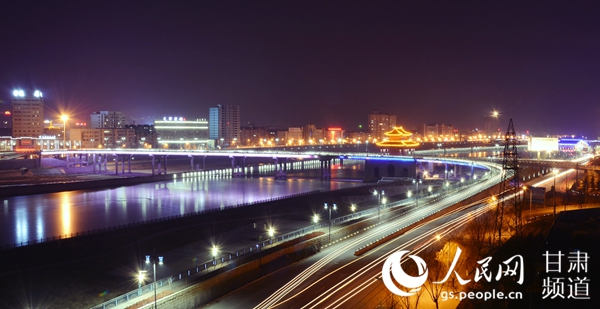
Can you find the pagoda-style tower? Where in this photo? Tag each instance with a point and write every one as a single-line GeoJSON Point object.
{"type": "Point", "coordinates": [397, 140]}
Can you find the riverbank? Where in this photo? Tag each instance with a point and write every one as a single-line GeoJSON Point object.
{"type": "Point", "coordinates": [82, 271]}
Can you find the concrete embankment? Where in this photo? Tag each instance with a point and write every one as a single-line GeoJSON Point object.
{"type": "Point", "coordinates": [18, 190]}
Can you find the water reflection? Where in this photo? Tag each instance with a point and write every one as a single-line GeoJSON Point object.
{"type": "Point", "coordinates": [65, 211]}
{"type": "Point", "coordinates": [46, 215]}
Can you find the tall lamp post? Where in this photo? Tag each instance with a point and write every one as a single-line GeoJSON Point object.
{"type": "Point", "coordinates": [417, 182]}
{"type": "Point", "coordinates": [154, 260]}
{"type": "Point", "coordinates": [329, 208]}
{"type": "Point", "coordinates": [379, 194]}
{"type": "Point", "coordinates": [64, 118]}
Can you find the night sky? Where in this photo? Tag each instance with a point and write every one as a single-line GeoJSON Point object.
{"type": "Point", "coordinates": [327, 63]}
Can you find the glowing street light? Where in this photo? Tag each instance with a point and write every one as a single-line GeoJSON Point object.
{"type": "Point", "coordinates": [353, 208]}
{"type": "Point", "coordinates": [271, 233]}
{"type": "Point", "coordinates": [379, 194]}
{"type": "Point", "coordinates": [64, 118]}
{"type": "Point", "coordinates": [214, 252]}
{"type": "Point", "coordinates": [141, 278]}
{"type": "Point", "coordinates": [329, 208]}
{"type": "Point", "coordinates": [154, 259]}
{"type": "Point", "coordinates": [417, 182]}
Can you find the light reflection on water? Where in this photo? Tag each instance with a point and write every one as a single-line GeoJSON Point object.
{"type": "Point", "coordinates": [32, 217]}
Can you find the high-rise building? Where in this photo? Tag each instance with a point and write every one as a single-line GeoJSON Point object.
{"type": "Point", "coordinates": [227, 130]}
{"type": "Point", "coordinates": [379, 123]}
{"type": "Point", "coordinates": [107, 120]}
{"type": "Point", "coordinates": [27, 113]}
{"type": "Point", "coordinates": [213, 123]}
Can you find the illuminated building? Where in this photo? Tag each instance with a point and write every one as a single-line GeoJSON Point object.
{"type": "Point", "coordinates": [107, 120]}
{"type": "Point", "coordinates": [379, 123]}
{"type": "Point", "coordinates": [311, 133]}
{"type": "Point", "coordinates": [100, 138]}
{"type": "Point", "coordinates": [438, 131]}
{"type": "Point", "coordinates": [225, 124]}
{"type": "Point", "coordinates": [397, 139]}
{"type": "Point", "coordinates": [27, 113]}
{"type": "Point", "coordinates": [335, 134]}
{"type": "Point", "coordinates": [178, 133]}
{"type": "Point", "coordinates": [573, 147]}
{"type": "Point", "coordinates": [145, 135]}
{"type": "Point", "coordinates": [253, 135]}
{"type": "Point", "coordinates": [294, 135]}
{"type": "Point", "coordinates": [86, 138]}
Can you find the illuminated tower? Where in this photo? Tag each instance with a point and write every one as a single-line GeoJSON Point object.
{"type": "Point", "coordinates": [27, 113]}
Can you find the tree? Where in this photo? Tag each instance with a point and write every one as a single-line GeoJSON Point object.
{"type": "Point", "coordinates": [438, 265]}
{"type": "Point", "coordinates": [479, 230]}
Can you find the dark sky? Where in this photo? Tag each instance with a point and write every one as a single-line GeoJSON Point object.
{"type": "Point", "coordinates": [324, 62]}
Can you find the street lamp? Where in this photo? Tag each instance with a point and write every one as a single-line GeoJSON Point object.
{"type": "Point", "coordinates": [417, 182]}
{"type": "Point", "coordinates": [379, 194]}
{"type": "Point", "coordinates": [141, 278]}
{"type": "Point", "coordinates": [329, 208]}
{"type": "Point", "coordinates": [64, 118]}
{"type": "Point", "coordinates": [214, 252]}
{"type": "Point", "coordinates": [353, 208]}
{"type": "Point", "coordinates": [154, 259]}
{"type": "Point", "coordinates": [271, 234]}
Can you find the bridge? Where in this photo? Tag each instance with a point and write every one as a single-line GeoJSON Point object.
{"type": "Point", "coordinates": [245, 162]}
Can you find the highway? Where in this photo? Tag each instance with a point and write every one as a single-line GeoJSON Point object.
{"type": "Point", "coordinates": [335, 278]}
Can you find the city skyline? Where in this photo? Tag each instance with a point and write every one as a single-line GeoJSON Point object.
{"type": "Point", "coordinates": [294, 64]}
